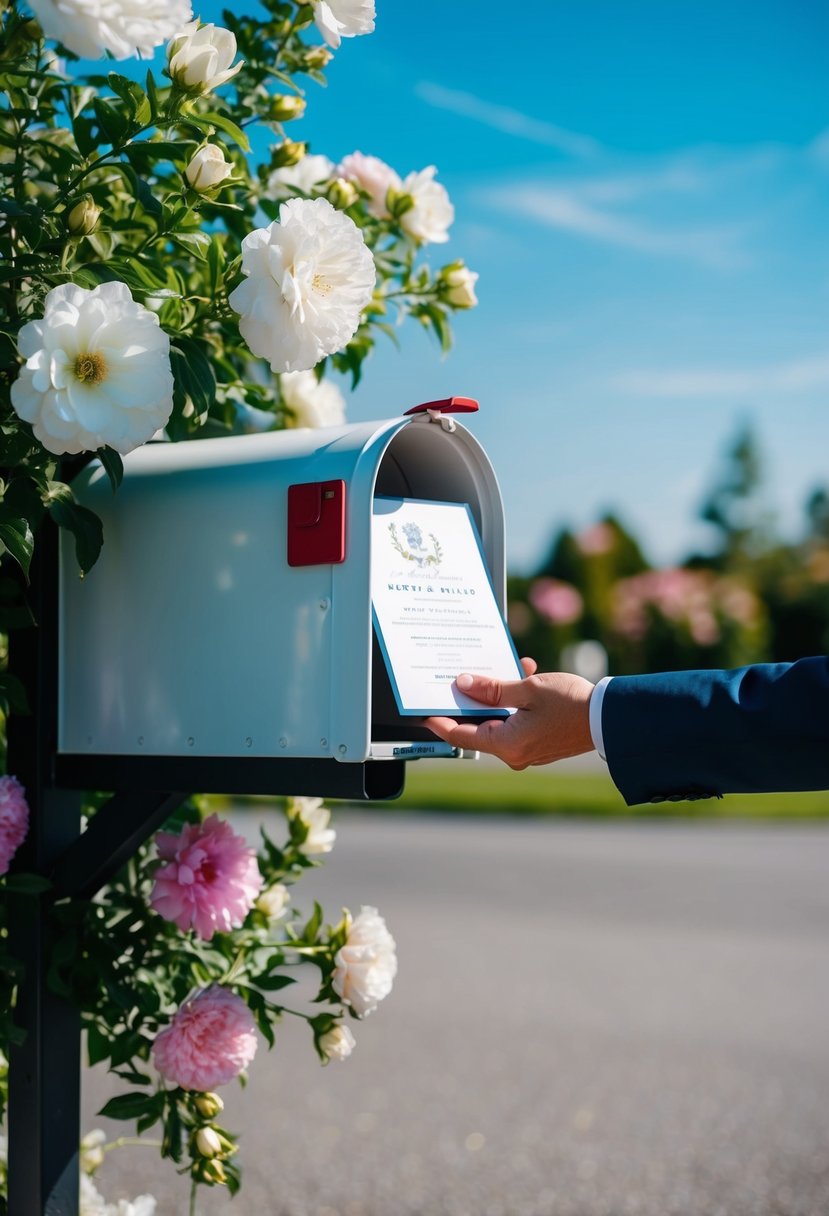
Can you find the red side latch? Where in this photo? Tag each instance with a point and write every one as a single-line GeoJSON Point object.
{"type": "Point", "coordinates": [316, 523]}
{"type": "Point", "coordinates": [449, 405]}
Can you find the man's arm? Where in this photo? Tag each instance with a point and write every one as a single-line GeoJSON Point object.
{"type": "Point", "coordinates": [692, 734]}
{"type": "Point", "coordinates": [700, 734]}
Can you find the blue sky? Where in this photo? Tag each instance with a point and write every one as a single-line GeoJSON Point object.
{"type": "Point", "coordinates": [643, 189]}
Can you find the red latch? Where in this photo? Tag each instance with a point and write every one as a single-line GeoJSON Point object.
{"type": "Point", "coordinates": [316, 523]}
{"type": "Point", "coordinates": [449, 405]}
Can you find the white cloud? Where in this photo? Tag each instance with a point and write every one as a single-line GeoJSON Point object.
{"type": "Point", "coordinates": [566, 207]}
{"type": "Point", "coordinates": [794, 376]}
{"type": "Point", "coordinates": [511, 122]}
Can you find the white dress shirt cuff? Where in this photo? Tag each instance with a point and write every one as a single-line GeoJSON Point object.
{"type": "Point", "coordinates": [596, 699]}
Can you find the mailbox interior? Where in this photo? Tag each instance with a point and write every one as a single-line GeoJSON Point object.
{"type": "Point", "coordinates": [425, 461]}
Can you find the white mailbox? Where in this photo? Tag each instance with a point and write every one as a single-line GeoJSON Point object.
{"type": "Point", "coordinates": [226, 627]}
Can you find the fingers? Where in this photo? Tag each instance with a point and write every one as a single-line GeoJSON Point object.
{"type": "Point", "coordinates": [530, 666]}
{"type": "Point", "coordinates": [509, 693]}
{"type": "Point", "coordinates": [471, 736]}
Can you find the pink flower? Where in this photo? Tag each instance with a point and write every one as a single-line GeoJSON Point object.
{"type": "Point", "coordinates": [559, 602]}
{"type": "Point", "coordinates": [598, 539]}
{"type": "Point", "coordinates": [210, 1041]}
{"type": "Point", "coordinates": [14, 819]}
{"type": "Point", "coordinates": [372, 175]}
{"type": "Point", "coordinates": [212, 879]}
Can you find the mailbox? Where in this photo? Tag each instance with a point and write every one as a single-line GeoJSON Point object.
{"type": "Point", "coordinates": [223, 641]}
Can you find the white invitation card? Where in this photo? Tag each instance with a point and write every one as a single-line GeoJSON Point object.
{"type": "Point", "coordinates": [434, 609]}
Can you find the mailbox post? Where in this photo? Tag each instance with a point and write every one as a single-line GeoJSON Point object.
{"type": "Point", "coordinates": [223, 642]}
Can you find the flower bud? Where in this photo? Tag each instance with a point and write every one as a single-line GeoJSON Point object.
{"type": "Point", "coordinates": [208, 169]}
{"type": "Point", "coordinates": [398, 203]}
{"type": "Point", "coordinates": [83, 217]}
{"type": "Point", "coordinates": [273, 901]}
{"type": "Point", "coordinates": [337, 1043]}
{"type": "Point", "coordinates": [287, 153]}
{"type": "Point", "coordinates": [209, 1105]}
{"type": "Point", "coordinates": [208, 1143]}
{"type": "Point", "coordinates": [92, 1151]}
{"type": "Point", "coordinates": [212, 1172]}
{"type": "Point", "coordinates": [342, 193]}
{"type": "Point", "coordinates": [286, 107]}
{"type": "Point", "coordinates": [459, 285]}
{"type": "Point", "coordinates": [317, 58]}
{"type": "Point", "coordinates": [199, 58]}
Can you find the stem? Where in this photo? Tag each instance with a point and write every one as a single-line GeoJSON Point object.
{"type": "Point", "coordinates": [194, 1188]}
{"type": "Point", "coordinates": [113, 154]}
{"type": "Point", "coordinates": [281, 47]}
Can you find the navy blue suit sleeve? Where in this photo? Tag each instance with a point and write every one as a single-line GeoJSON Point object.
{"type": "Point", "coordinates": [699, 734]}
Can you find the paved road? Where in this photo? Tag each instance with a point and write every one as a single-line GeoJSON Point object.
{"type": "Point", "coordinates": [589, 1020]}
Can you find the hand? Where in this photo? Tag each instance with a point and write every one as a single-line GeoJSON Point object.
{"type": "Point", "coordinates": [551, 720]}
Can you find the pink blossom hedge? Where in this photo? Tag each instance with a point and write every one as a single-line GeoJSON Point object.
{"type": "Point", "coordinates": [14, 819]}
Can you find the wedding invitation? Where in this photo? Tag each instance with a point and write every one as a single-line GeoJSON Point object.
{"type": "Point", "coordinates": [434, 608]}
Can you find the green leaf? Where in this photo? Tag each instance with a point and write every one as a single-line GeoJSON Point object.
{"type": "Point", "coordinates": [97, 1045]}
{"type": "Point", "coordinates": [129, 1106]}
{"type": "Point", "coordinates": [19, 540]}
{"type": "Point", "coordinates": [193, 374]}
{"type": "Point", "coordinates": [84, 525]}
{"type": "Point", "coordinates": [198, 242]}
{"type": "Point", "coordinates": [113, 124]}
{"type": "Point", "coordinates": [228, 126]}
{"type": "Point", "coordinates": [272, 983]}
{"type": "Point", "coordinates": [311, 930]}
{"type": "Point", "coordinates": [215, 264]}
{"type": "Point", "coordinates": [114, 465]}
{"type": "Point", "coordinates": [133, 95]}
{"type": "Point", "coordinates": [13, 694]}
{"type": "Point", "coordinates": [152, 96]}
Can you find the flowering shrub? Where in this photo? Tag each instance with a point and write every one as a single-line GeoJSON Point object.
{"type": "Point", "coordinates": [172, 266]}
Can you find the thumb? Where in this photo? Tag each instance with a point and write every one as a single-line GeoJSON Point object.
{"type": "Point", "coordinates": [509, 693]}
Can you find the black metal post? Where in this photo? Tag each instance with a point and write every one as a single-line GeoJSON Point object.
{"type": "Point", "coordinates": [44, 1070]}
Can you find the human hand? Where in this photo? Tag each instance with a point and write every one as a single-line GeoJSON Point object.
{"type": "Point", "coordinates": [551, 720]}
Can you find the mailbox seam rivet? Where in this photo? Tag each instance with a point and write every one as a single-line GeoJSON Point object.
{"type": "Point", "coordinates": [325, 604]}
{"type": "Point", "coordinates": [323, 743]}
{"type": "Point", "coordinates": [190, 741]}
{"type": "Point", "coordinates": [342, 749]}
{"type": "Point", "coordinates": [283, 742]}
{"type": "Point", "coordinates": [248, 742]}
{"type": "Point", "coordinates": [140, 740]}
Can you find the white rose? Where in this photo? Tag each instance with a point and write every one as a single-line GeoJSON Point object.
{"type": "Point", "coordinates": [337, 1043]}
{"type": "Point", "coordinates": [199, 57]}
{"type": "Point", "coordinates": [208, 169]}
{"type": "Point", "coordinates": [372, 175]}
{"type": "Point", "coordinates": [309, 277]}
{"type": "Point", "coordinates": [312, 402]}
{"type": "Point", "coordinates": [273, 901]}
{"type": "Point", "coordinates": [123, 28]}
{"type": "Point", "coordinates": [309, 172]}
{"type": "Point", "coordinates": [460, 282]}
{"type": "Point", "coordinates": [92, 1203]}
{"type": "Point", "coordinates": [337, 19]}
{"type": "Point", "coordinates": [366, 965]}
{"type": "Point", "coordinates": [97, 371]}
{"type": "Point", "coordinates": [429, 218]}
{"type": "Point", "coordinates": [316, 818]}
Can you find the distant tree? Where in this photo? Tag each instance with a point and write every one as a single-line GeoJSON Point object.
{"type": "Point", "coordinates": [735, 507]}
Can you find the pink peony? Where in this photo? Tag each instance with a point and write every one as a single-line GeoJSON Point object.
{"type": "Point", "coordinates": [14, 819]}
{"type": "Point", "coordinates": [210, 1041]}
{"type": "Point", "coordinates": [211, 880]}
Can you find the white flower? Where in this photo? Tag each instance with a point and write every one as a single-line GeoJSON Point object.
{"type": "Point", "coordinates": [97, 371]}
{"type": "Point", "coordinates": [199, 57]}
{"type": "Point", "coordinates": [338, 19]}
{"type": "Point", "coordinates": [92, 1151]}
{"type": "Point", "coordinates": [312, 402]}
{"type": "Point", "coordinates": [309, 277]}
{"type": "Point", "coordinates": [337, 1043]}
{"type": "Point", "coordinates": [366, 965]}
{"type": "Point", "coordinates": [124, 28]}
{"type": "Point", "coordinates": [311, 171]}
{"type": "Point", "coordinates": [460, 282]}
{"type": "Point", "coordinates": [273, 901]}
{"type": "Point", "coordinates": [208, 1143]}
{"type": "Point", "coordinates": [316, 818]}
{"type": "Point", "coordinates": [429, 219]}
{"type": "Point", "coordinates": [94, 1204]}
{"type": "Point", "coordinates": [208, 169]}
{"type": "Point", "coordinates": [372, 175]}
